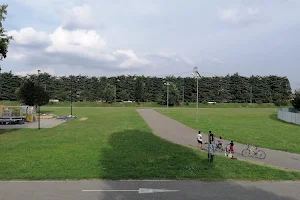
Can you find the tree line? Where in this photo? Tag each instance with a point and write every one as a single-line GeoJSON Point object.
{"type": "Point", "coordinates": [230, 88]}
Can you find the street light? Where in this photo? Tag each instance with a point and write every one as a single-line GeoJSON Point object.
{"type": "Point", "coordinates": [116, 90]}
{"type": "Point", "coordinates": [182, 94]}
{"type": "Point", "coordinates": [39, 119]}
{"type": "Point", "coordinates": [71, 96]}
{"type": "Point", "coordinates": [197, 76]}
{"type": "Point", "coordinates": [167, 84]}
{"type": "Point", "coordinates": [251, 94]}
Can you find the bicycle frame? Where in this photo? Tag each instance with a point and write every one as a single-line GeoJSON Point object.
{"type": "Point", "coordinates": [256, 149]}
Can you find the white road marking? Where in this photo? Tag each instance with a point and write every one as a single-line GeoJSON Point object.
{"type": "Point", "coordinates": [141, 190]}
{"type": "Point", "coordinates": [148, 180]}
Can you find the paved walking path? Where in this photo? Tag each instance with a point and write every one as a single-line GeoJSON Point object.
{"type": "Point", "coordinates": [176, 132]}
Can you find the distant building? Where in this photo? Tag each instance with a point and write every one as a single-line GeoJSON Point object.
{"type": "Point", "coordinates": [53, 100]}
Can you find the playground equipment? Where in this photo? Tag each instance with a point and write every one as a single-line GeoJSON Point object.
{"type": "Point", "coordinates": [28, 112]}
{"type": "Point", "coordinates": [16, 114]}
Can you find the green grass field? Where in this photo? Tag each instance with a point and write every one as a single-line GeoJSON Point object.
{"type": "Point", "coordinates": [254, 126]}
{"type": "Point", "coordinates": [113, 143]}
{"type": "Point", "coordinates": [148, 104]}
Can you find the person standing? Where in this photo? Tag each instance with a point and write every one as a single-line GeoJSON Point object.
{"type": "Point", "coordinates": [231, 146]}
{"type": "Point", "coordinates": [199, 139]}
{"type": "Point", "coordinates": [211, 149]}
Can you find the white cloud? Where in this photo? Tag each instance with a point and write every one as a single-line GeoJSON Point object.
{"type": "Point", "coordinates": [73, 47]}
{"type": "Point", "coordinates": [175, 57]}
{"type": "Point", "coordinates": [78, 17]}
{"type": "Point", "coordinates": [47, 70]}
{"type": "Point", "coordinates": [131, 59]}
{"type": "Point", "coordinates": [79, 42]}
{"type": "Point", "coordinates": [16, 56]}
{"type": "Point", "coordinates": [238, 15]}
{"type": "Point", "coordinates": [29, 36]}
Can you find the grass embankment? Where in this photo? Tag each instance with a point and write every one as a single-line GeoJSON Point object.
{"type": "Point", "coordinates": [259, 127]}
{"type": "Point", "coordinates": [148, 104]}
{"type": "Point", "coordinates": [114, 144]}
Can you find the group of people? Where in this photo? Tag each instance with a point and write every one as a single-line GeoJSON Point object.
{"type": "Point", "coordinates": [213, 144]}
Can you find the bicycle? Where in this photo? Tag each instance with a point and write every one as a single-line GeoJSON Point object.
{"type": "Point", "coordinates": [257, 153]}
{"type": "Point", "coordinates": [219, 147]}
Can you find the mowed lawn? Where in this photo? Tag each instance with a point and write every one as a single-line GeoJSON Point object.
{"type": "Point", "coordinates": [114, 143]}
{"type": "Point", "coordinates": [255, 126]}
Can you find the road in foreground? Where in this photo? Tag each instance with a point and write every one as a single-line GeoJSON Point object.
{"type": "Point", "coordinates": [101, 189]}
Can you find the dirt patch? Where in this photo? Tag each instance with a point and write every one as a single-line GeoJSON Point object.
{"type": "Point", "coordinates": [83, 119]}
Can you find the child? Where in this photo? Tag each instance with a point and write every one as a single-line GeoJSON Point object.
{"type": "Point", "coordinates": [220, 143]}
{"type": "Point", "coordinates": [199, 139]}
{"type": "Point", "coordinates": [231, 146]}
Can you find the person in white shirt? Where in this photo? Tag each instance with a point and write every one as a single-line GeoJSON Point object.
{"type": "Point", "coordinates": [199, 139]}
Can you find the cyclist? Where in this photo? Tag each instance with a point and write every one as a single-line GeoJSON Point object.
{"type": "Point", "coordinates": [220, 143]}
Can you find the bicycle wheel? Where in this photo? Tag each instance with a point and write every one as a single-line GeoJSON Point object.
{"type": "Point", "coordinates": [261, 154]}
{"type": "Point", "coordinates": [246, 152]}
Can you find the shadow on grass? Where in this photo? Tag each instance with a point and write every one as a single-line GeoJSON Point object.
{"type": "Point", "coordinates": [139, 155]}
{"type": "Point", "coordinates": [133, 154]}
{"type": "Point", "coordinates": [2, 131]}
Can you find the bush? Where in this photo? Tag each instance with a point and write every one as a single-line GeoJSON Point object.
{"type": "Point", "coordinates": [281, 103]}
{"type": "Point", "coordinates": [296, 101]}
{"type": "Point", "coordinates": [259, 102]}
{"type": "Point", "coordinates": [284, 103]}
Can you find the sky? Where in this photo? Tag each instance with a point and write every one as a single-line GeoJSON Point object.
{"type": "Point", "coordinates": [154, 37]}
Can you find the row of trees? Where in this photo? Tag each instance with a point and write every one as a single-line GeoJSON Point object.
{"type": "Point", "coordinates": [230, 88]}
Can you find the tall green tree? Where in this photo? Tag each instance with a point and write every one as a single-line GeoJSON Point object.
{"type": "Point", "coordinates": [296, 101]}
{"type": "Point", "coordinates": [139, 89]}
{"type": "Point", "coordinates": [4, 38]}
{"type": "Point", "coordinates": [109, 93]}
{"type": "Point", "coordinates": [173, 95]}
{"type": "Point", "coordinates": [32, 94]}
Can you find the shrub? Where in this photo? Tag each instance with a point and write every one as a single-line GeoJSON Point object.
{"type": "Point", "coordinates": [296, 101]}
{"type": "Point", "coordinates": [259, 102]}
{"type": "Point", "coordinates": [281, 103]}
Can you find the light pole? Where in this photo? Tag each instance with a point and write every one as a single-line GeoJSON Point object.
{"type": "Point", "coordinates": [182, 94]}
{"type": "Point", "coordinates": [71, 96]}
{"type": "Point", "coordinates": [116, 90]}
{"type": "Point", "coordinates": [167, 84]}
{"type": "Point", "coordinates": [251, 94]}
{"type": "Point", "coordinates": [39, 119]}
{"type": "Point", "coordinates": [197, 75]}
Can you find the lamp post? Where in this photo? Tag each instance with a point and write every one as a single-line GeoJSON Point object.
{"type": "Point", "coordinates": [251, 94]}
{"type": "Point", "coordinates": [167, 84]}
{"type": "Point", "coordinates": [39, 119]}
{"type": "Point", "coordinates": [197, 75]}
{"type": "Point", "coordinates": [71, 96]}
{"type": "Point", "coordinates": [182, 94]}
{"type": "Point", "coordinates": [116, 90]}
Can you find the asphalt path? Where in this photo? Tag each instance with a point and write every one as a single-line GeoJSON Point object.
{"type": "Point", "coordinates": [179, 133]}
{"type": "Point", "coordinates": [45, 123]}
{"type": "Point", "coordinates": [164, 190]}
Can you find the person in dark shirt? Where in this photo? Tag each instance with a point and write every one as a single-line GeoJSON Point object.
{"type": "Point", "coordinates": [231, 146]}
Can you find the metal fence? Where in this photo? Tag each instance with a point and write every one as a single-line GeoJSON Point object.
{"type": "Point", "coordinates": [289, 115]}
